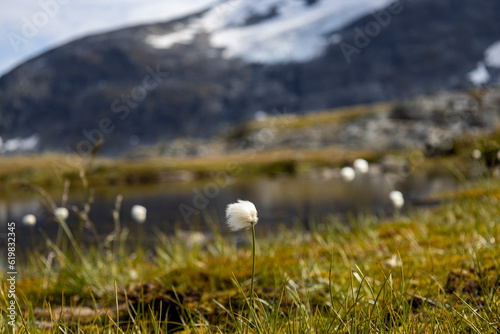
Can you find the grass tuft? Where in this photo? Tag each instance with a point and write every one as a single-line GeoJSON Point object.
{"type": "Point", "coordinates": [435, 270]}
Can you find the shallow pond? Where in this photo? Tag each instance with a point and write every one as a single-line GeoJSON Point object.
{"type": "Point", "coordinates": [200, 205]}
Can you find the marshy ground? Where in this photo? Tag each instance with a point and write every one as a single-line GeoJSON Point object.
{"type": "Point", "coordinates": [433, 270]}
{"type": "Point", "coordinates": [428, 270]}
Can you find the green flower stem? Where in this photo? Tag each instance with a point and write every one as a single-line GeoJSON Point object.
{"type": "Point", "coordinates": [253, 265]}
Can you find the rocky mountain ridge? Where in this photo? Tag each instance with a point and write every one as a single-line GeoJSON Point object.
{"type": "Point", "coordinates": [430, 123]}
{"type": "Point", "coordinates": [122, 89]}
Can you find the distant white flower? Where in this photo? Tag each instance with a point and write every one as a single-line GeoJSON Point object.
{"type": "Point", "coordinates": [139, 213]}
{"type": "Point", "coordinates": [347, 174]}
{"type": "Point", "coordinates": [61, 213]}
{"type": "Point", "coordinates": [476, 154]}
{"type": "Point", "coordinates": [191, 238]}
{"type": "Point", "coordinates": [397, 199]}
{"type": "Point", "coordinates": [361, 165]}
{"type": "Point", "coordinates": [29, 220]}
{"type": "Point", "coordinates": [134, 275]}
{"type": "Point", "coordinates": [241, 215]}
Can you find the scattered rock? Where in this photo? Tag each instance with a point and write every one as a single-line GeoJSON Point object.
{"type": "Point", "coordinates": [430, 123]}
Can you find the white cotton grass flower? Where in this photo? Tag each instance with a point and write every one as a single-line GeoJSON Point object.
{"type": "Point", "coordinates": [361, 165]}
{"type": "Point", "coordinates": [397, 199]}
{"type": "Point", "coordinates": [139, 213]}
{"type": "Point", "coordinates": [134, 275]}
{"type": "Point", "coordinates": [29, 220]}
{"type": "Point", "coordinates": [476, 154]}
{"type": "Point", "coordinates": [61, 213]}
{"type": "Point", "coordinates": [348, 174]}
{"type": "Point", "coordinates": [242, 214]}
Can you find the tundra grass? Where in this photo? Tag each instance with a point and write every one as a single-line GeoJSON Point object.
{"type": "Point", "coordinates": [49, 169]}
{"type": "Point", "coordinates": [431, 271]}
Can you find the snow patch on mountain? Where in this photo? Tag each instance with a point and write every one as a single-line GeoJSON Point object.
{"type": "Point", "coordinates": [480, 75]}
{"type": "Point", "coordinates": [19, 144]}
{"type": "Point", "coordinates": [492, 55]}
{"type": "Point", "coordinates": [271, 31]}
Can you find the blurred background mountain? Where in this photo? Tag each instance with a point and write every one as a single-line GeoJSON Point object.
{"type": "Point", "coordinates": [199, 75]}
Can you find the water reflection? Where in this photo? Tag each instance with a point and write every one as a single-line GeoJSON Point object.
{"type": "Point", "coordinates": [279, 200]}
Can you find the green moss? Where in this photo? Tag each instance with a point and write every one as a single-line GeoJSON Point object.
{"type": "Point", "coordinates": [418, 273]}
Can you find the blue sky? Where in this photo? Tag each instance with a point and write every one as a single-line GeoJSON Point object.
{"type": "Point", "coordinates": [30, 27]}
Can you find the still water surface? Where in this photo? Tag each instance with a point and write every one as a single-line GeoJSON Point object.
{"type": "Point", "coordinates": [279, 200]}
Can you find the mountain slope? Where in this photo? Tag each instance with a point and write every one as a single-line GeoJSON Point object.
{"type": "Point", "coordinates": [132, 87]}
{"type": "Point", "coordinates": [270, 31]}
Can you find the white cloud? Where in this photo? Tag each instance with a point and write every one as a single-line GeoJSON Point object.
{"type": "Point", "coordinates": [60, 21]}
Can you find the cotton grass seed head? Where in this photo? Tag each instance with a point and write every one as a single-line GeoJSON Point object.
{"type": "Point", "coordinates": [61, 213]}
{"type": "Point", "coordinates": [348, 174]}
{"type": "Point", "coordinates": [476, 154]}
{"type": "Point", "coordinates": [139, 213]}
{"type": "Point", "coordinates": [361, 165]}
{"type": "Point", "coordinates": [242, 214]}
{"type": "Point", "coordinates": [397, 199]}
{"type": "Point", "coordinates": [29, 220]}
